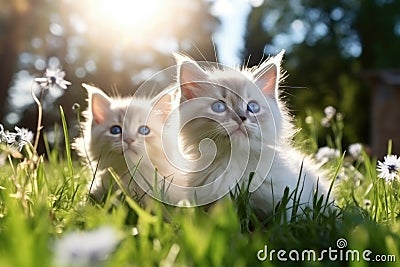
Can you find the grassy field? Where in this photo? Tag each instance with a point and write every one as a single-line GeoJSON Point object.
{"type": "Point", "coordinates": [46, 219]}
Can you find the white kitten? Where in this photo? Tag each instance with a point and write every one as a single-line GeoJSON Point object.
{"type": "Point", "coordinates": [233, 123]}
{"type": "Point", "coordinates": [103, 143]}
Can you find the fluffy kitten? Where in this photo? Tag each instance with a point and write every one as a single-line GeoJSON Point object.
{"type": "Point", "coordinates": [113, 137]}
{"type": "Point", "coordinates": [233, 123]}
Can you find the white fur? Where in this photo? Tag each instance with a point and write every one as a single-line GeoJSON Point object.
{"type": "Point", "coordinates": [261, 145]}
{"type": "Point", "coordinates": [200, 155]}
{"type": "Point", "coordinates": [104, 150]}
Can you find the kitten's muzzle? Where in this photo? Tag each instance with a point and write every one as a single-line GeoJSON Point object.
{"type": "Point", "coordinates": [239, 117]}
{"type": "Point", "coordinates": [129, 141]}
{"type": "Point", "coordinates": [239, 130]}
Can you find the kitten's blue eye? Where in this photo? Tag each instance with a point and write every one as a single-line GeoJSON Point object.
{"type": "Point", "coordinates": [116, 129]}
{"type": "Point", "coordinates": [144, 130]}
{"type": "Point", "coordinates": [253, 107]}
{"type": "Point", "coordinates": [218, 106]}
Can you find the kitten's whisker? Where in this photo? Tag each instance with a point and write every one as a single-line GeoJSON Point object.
{"type": "Point", "coordinates": [114, 91]}
{"type": "Point", "coordinates": [215, 49]}
{"type": "Point", "coordinates": [293, 87]}
{"type": "Point", "coordinates": [218, 132]}
{"type": "Point", "coordinates": [246, 63]}
{"type": "Point", "coordinates": [116, 147]}
{"type": "Point", "coordinates": [252, 127]}
{"type": "Point", "coordinates": [202, 55]}
{"type": "Point", "coordinates": [263, 59]}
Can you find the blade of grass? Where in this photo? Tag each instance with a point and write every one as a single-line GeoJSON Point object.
{"type": "Point", "coordinates": [389, 151]}
{"type": "Point", "coordinates": [333, 181]}
{"type": "Point", "coordinates": [67, 143]}
{"type": "Point", "coordinates": [135, 206]}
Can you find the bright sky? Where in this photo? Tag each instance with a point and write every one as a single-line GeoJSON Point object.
{"type": "Point", "coordinates": [229, 38]}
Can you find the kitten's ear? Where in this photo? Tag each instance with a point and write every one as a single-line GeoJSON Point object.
{"type": "Point", "coordinates": [166, 102]}
{"type": "Point", "coordinates": [99, 103]}
{"type": "Point", "coordinates": [267, 75]}
{"type": "Point", "coordinates": [190, 76]}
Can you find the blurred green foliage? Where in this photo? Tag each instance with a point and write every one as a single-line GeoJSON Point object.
{"type": "Point", "coordinates": [43, 202]}
{"type": "Point", "coordinates": [329, 45]}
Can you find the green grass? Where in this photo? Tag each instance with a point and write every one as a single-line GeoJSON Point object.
{"type": "Point", "coordinates": [44, 200]}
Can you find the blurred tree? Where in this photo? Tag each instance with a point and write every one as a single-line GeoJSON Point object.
{"type": "Point", "coordinates": [14, 20]}
{"type": "Point", "coordinates": [378, 25]}
{"type": "Point", "coordinates": [328, 44]}
{"type": "Point", "coordinates": [115, 45]}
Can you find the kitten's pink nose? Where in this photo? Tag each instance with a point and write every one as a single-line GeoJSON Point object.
{"type": "Point", "coordinates": [239, 119]}
{"type": "Point", "coordinates": [129, 141]}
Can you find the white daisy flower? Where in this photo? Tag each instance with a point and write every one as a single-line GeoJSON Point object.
{"type": "Point", "coordinates": [3, 135]}
{"type": "Point", "coordinates": [309, 120]}
{"type": "Point", "coordinates": [355, 150]}
{"type": "Point", "coordinates": [329, 112]}
{"type": "Point", "coordinates": [16, 140]}
{"type": "Point", "coordinates": [324, 154]}
{"type": "Point", "coordinates": [325, 122]}
{"type": "Point", "coordinates": [53, 77]}
{"type": "Point", "coordinates": [86, 248]}
{"type": "Point", "coordinates": [20, 138]}
{"type": "Point", "coordinates": [8, 137]}
{"type": "Point", "coordinates": [389, 168]}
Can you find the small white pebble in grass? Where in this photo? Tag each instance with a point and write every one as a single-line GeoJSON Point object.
{"type": "Point", "coordinates": [355, 150]}
{"type": "Point", "coordinates": [86, 248]}
{"type": "Point", "coordinates": [389, 169]}
{"type": "Point", "coordinates": [324, 154]}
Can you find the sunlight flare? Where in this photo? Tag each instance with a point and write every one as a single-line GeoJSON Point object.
{"type": "Point", "coordinates": [129, 17]}
{"type": "Point", "coordinates": [130, 14]}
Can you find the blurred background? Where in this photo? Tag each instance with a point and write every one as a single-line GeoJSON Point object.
{"type": "Point", "coordinates": [343, 53]}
